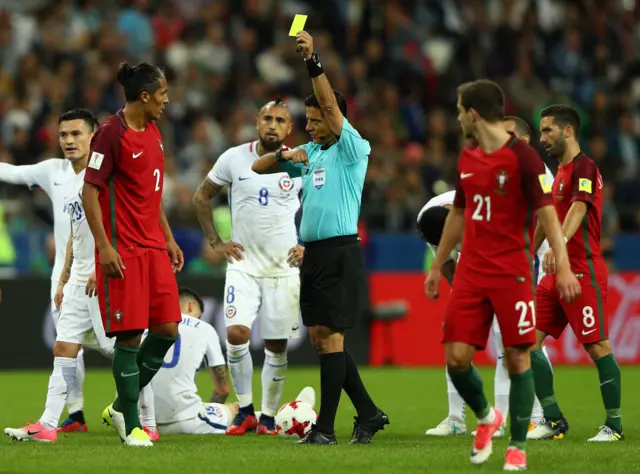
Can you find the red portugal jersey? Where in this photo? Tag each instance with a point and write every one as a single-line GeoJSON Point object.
{"type": "Point", "coordinates": [500, 193]}
{"type": "Point", "coordinates": [128, 167]}
{"type": "Point", "coordinates": [580, 180]}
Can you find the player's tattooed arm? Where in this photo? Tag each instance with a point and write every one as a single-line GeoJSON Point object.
{"type": "Point", "coordinates": [221, 384]}
{"type": "Point", "coordinates": [68, 261]}
{"type": "Point", "coordinates": [202, 202]}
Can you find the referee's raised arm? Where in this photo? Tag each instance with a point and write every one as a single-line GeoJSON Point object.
{"type": "Point", "coordinates": [333, 278]}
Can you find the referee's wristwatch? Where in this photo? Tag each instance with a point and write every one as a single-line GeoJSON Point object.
{"type": "Point", "coordinates": [279, 158]}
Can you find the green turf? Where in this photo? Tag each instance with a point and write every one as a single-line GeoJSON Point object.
{"type": "Point", "coordinates": [414, 399]}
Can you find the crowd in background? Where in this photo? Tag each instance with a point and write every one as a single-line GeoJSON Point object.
{"type": "Point", "coordinates": [397, 61]}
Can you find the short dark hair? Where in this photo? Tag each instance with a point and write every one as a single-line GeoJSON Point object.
{"type": "Point", "coordinates": [431, 224]}
{"type": "Point", "coordinates": [135, 80]}
{"type": "Point", "coordinates": [522, 127]}
{"type": "Point", "coordinates": [80, 114]}
{"type": "Point", "coordinates": [188, 293]}
{"type": "Point", "coordinates": [485, 97]}
{"type": "Point", "coordinates": [564, 115]}
{"type": "Point", "coordinates": [312, 101]}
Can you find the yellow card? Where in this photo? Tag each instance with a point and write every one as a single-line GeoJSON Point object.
{"type": "Point", "coordinates": [298, 24]}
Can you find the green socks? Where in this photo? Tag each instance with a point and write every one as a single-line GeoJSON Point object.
{"type": "Point", "coordinates": [151, 356]}
{"type": "Point", "coordinates": [610, 388]}
{"type": "Point", "coordinates": [127, 377]}
{"type": "Point", "coordinates": [543, 378]}
{"type": "Point", "coordinates": [469, 386]}
{"type": "Point", "coordinates": [521, 399]}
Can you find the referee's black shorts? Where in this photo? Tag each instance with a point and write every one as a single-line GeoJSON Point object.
{"type": "Point", "coordinates": [333, 283]}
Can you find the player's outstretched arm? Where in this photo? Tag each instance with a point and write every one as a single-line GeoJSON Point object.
{"type": "Point", "coordinates": [30, 175]}
{"type": "Point", "coordinates": [321, 87]}
{"type": "Point", "coordinates": [220, 383]}
{"type": "Point", "coordinates": [110, 261]}
{"type": "Point", "coordinates": [202, 202]}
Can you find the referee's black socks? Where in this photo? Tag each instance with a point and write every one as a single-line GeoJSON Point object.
{"type": "Point", "coordinates": [333, 371]}
{"type": "Point", "coordinates": [356, 390]}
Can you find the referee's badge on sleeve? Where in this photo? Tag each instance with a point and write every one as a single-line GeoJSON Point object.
{"type": "Point", "coordinates": [319, 177]}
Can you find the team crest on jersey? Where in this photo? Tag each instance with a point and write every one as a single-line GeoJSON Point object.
{"type": "Point", "coordinates": [501, 180]}
{"type": "Point", "coordinates": [231, 311]}
{"type": "Point", "coordinates": [117, 315]}
{"type": "Point", "coordinates": [285, 183]}
{"type": "Point", "coordinates": [560, 189]}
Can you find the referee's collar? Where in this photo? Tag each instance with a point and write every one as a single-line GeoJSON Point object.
{"type": "Point", "coordinates": [326, 147]}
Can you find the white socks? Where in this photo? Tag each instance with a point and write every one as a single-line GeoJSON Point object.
{"type": "Point", "coordinates": [241, 370]}
{"type": "Point", "coordinates": [61, 383]}
{"type": "Point", "coordinates": [75, 400]}
{"type": "Point", "coordinates": [501, 386]}
{"type": "Point", "coordinates": [273, 376]}
{"type": "Point", "coordinates": [456, 403]}
{"type": "Point", "coordinates": [147, 408]}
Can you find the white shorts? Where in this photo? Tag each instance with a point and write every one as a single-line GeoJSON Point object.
{"type": "Point", "coordinates": [213, 418]}
{"type": "Point", "coordinates": [80, 322]}
{"type": "Point", "coordinates": [275, 300]}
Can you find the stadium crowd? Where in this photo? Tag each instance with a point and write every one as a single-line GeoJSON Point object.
{"type": "Point", "coordinates": [398, 61]}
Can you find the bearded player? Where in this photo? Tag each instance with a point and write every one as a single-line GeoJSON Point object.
{"type": "Point", "coordinates": [138, 255]}
{"type": "Point", "coordinates": [430, 224]}
{"type": "Point", "coordinates": [260, 283]}
{"type": "Point", "coordinates": [577, 194]}
{"type": "Point", "coordinates": [54, 176]}
{"type": "Point", "coordinates": [499, 184]}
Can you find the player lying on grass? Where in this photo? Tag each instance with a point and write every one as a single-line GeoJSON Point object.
{"type": "Point", "coordinates": [259, 284]}
{"type": "Point", "coordinates": [499, 185]}
{"type": "Point", "coordinates": [577, 194]}
{"type": "Point", "coordinates": [171, 401]}
{"type": "Point", "coordinates": [54, 176]}
{"type": "Point", "coordinates": [430, 225]}
{"type": "Point", "coordinates": [79, 322]}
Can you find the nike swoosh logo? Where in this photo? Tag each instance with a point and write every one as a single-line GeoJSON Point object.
{"type": "Point", "coordinates": [122, 374]}
{"type": "Point", "coordinates": [295, 328]}
{"type": "Point", "coordinates": [522, 332]}
{"type": "Point", "coordinates": [606, 382]}
{"type": "Point", "coordinates": [57, 184]}
{"type": "Point", "coordinates": [243, 179]}
{"type": "Point", "coordinates": [144, 364]}
{"type": "Point", "coordinates": [465, 175]}
{"type": "Point", "coordinates": [31, 433]}
{"type": "Point", "coordinates": [584, 333]}
{"type": "Point", "coordinates": [276, 379]}
{"type": "Point", "coordinates": [136, 155]}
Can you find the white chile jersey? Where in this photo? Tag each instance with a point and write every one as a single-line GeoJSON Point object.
{"type": "Point", "coordinates": [54, 177]}
{"type": "Point", "coordinates": [175, 391]}
{"type": "Point", "coordinates": [263, 209]}
{"type": "Point", "coordinates": [446, 199]}
{"type": "Point", "coordinates": [84, 257]}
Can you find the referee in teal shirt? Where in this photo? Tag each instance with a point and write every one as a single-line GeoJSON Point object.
{"type": "Point", "coordinates": [333, 278]}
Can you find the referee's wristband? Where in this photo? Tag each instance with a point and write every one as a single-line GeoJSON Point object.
{"type": "Point", "coordinates": [314, 68]}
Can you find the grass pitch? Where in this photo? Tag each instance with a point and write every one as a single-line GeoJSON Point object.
{"type": "Point", "coordinates": [414, 399]}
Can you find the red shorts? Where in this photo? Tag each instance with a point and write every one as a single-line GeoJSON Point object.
{"type": "Point", "coordinates": [470, 313]}
{"type": "Point", "coordinates": [146, 296]}
{"type": "Point", "coordinates": [586, 314]}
